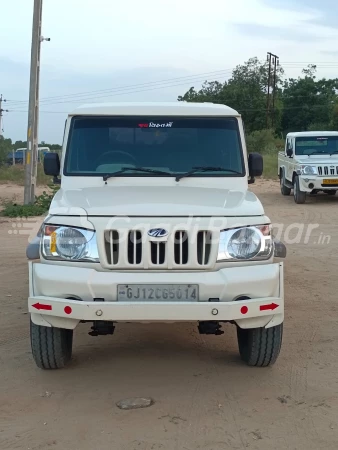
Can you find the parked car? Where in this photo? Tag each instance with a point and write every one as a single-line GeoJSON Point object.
{"type": "Point", "coordinates": [20, 155]}
{"type": "Point", "coordinates": [154, 222]}
{"type": "Point", "coordinates": [309, 164]}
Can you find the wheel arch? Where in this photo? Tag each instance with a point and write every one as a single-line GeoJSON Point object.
{"type": "Point", "coordinates": [281, 171]}
{"type": "Point", "coordinates": [294, 175]}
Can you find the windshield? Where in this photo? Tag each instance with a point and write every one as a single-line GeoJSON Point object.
{"type": "Point", "coordinates": [316, 145]}
{"type": "Point", "coordinates": [104, 145]}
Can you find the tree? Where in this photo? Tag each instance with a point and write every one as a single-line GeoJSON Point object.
{"type": "Point", "coordinates": [245, 91]}
{"type": "Point", "coordinates": [309, 103]}
{"type": "Point", "coordinates": [19, 144]}
{"type": "Point", "coordinates": [334, 116]}
{"type": "Point", "coordinates": [5, 149]}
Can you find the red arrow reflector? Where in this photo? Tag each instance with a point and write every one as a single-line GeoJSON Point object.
{"type": "Point", "coordinates": [40, 306]}
{"type": "Point", "coordinates": [269, 307]}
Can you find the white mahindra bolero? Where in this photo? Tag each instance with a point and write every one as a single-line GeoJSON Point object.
{"type": "Point", "coordinates": [309, 164]}
{"type": "Point", "coordinates": [154, 222]}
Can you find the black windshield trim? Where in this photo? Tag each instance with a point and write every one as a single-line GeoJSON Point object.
{"type": "Point", "coordinates": [149, 175]}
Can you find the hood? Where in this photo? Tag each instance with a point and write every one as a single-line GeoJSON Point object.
{"type": "Point", "coordinates": [320, 160]}
{"type": "Point", "coordinates": [163, 201]}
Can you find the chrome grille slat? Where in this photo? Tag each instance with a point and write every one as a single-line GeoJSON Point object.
{"type": "Point", "coordinates": [134, 237]}
{"type": "Point", "coordinates": [181, 248]}
{"type": "Point", "coordinates": [111, 240]}
{"type": "Point", "coordinates": [158, 253]}
{"type": "Point", "coordinates": [134, 247]}
{"type": "Point", "coordinates": [112, 246]}
{"type": "Point", "coordinates": [203, 247]}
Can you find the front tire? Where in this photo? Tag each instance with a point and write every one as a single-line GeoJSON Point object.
{"type": "Point", "coordinates": [284, 189]}
{"type": "Point", "coordinates": [260, 347]}
{"type": "Point", "coordinates": [298, 195]}
{"type": "Point", "coordinates": [51, 347]}
{"type": "Point", "coordinates": [331, 193]}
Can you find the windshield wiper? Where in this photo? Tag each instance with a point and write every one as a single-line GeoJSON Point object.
{"type": "Point", "coordinates": [205, 169]}
{"type": "Point", "coordinates": [317, 153]}
{"type": "Point", "coordinates": [140, 169]}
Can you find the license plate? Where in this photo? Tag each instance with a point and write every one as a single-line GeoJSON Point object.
{"type": "Point", "coordinates": [330, 181]}
{"type": "Point", "coordinates": [157, 292]}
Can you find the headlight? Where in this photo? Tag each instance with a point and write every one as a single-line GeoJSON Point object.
{"type": "Point", "coordinates": [69, 243]}
{"type": "Point", "coordinates": [309, 170]}
{"type": "Point", "coordinates": [247, 243]}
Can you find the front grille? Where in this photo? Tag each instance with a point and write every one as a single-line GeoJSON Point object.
{"type": "Point", "coordinates": [181, 247]}
{"type": "Point", "coordinates": [327, 170]}
{"type": "Point", "coordinates": [134, 247]}
{"type": "Point", "coordinates": [203, 247]}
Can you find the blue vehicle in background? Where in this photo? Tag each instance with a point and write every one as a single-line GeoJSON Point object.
{"type": "Point", "coordinates": [19, 156]}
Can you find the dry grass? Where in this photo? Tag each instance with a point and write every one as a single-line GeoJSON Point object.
{"type": "Point", "coordinates": [16, 174]}
{"type": "Point", "coordinates": [270, 170]}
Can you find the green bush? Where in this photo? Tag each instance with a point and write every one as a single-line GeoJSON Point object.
{"type": "Point", "coordinates": [319, 126]}
{"type": "Point", "coordinates": [266, 143]}
{"type": "Point", "coordinates": [263, 141]}
{"type": "Point", "coordinates": [40, 207]}
{"type": "Point", "coordinates": [270, 166]}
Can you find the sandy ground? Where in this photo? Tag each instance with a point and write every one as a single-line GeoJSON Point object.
{"type": "Point", "coordinates": [205, 398]}
{"type": "Point", "coordinates": [14, 193]}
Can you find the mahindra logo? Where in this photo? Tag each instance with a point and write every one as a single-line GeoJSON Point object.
{"type": "Point", "coordinates": [157, 232]}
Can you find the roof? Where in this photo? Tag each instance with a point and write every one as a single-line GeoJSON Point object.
{"type": "Point", "coordinates": [312, 133]}
{"type": "Point", "coordinates": [155, 109]}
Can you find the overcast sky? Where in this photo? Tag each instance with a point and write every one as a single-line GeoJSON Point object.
{"type": "Point", "coordinates": [104, 45]}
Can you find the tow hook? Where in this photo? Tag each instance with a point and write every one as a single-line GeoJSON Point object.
{"type": "Point", "coordinates": [102, 328]}
{"type": "Point", "coordinates": [210, 327]}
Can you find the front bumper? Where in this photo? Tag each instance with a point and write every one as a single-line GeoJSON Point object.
{"type": "Point", "coordinates": [51, 286]}
{"type": "Point", "coordinates": [317, 182]}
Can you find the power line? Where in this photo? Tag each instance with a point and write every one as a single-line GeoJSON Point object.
{"type": "Point", "coordinates": [135, 91]}
{"type": "Point", "coordinates": [46, 112]}
{"type": "Point", "coordinates": [186, 79]}
{"type": "Point", "coordinates": [91, 95]}
{"type": "Point", "coordinates": [238, 109]}
{"type": "Point", "coordinates": [309, 62]}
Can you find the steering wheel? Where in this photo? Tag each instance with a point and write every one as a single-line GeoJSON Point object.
{"type": "Point", "coordinates": [116, 151]}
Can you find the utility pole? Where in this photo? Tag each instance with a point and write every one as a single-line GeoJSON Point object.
{"type": "Point", "coordinates": [33, 109]}
{"type": "Point", "coordinates": [272, 59]}
{"type": "Point", "coordinates": [276, 63]}
{"type": "Point", "coordinates": [1, 112]}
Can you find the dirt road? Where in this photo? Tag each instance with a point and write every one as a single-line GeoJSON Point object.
{"type": "Point", "coordinates": [205, 398]}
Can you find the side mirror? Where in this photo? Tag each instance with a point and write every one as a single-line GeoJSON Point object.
{"type": "Point", "coordinates": [289, 152]}
{"type": "Point", "coordinates": [51, 166]}
{"type": "Point", "coordinates": [255, 163]}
